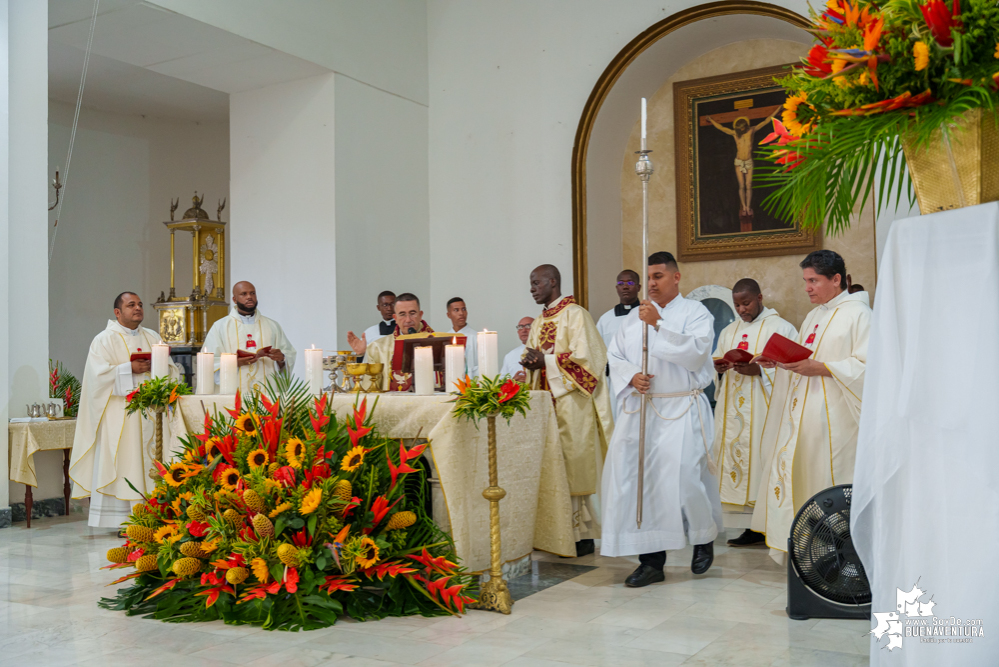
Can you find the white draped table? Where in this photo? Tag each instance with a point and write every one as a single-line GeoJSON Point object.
{"type": "Point", "coordinates": [926, 495]}
{"type": "Point", "coordinates": [536, 513]}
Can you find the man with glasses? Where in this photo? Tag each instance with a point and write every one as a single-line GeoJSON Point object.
{"type": "Point", "coordinates": [628, 286]}
{"type": "Point", "coordinates": [511, 362]}
{"type": "Point", "coordinates": [386, 308]}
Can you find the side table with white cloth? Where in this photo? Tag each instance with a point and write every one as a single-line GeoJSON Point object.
{"type": "Point", "coordinates": [925, 495]}
{"type": "Point", "coordinates": [26, 437]}
{"type": "Point", "coordinates": [536, 512]}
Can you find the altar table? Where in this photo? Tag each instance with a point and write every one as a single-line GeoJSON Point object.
{"type": "Point", "coordinates": [27, 438]}
{"type": "Point", "coordinates": [536, 512]}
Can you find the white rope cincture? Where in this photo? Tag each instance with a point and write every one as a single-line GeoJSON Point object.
{"type": "Point", "coordinates": [72, 135]}
{"type": "Point", "coordinates": [692, 394]}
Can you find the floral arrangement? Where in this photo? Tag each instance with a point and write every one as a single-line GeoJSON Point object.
{"type": "Point", "coordinates": [283, 516]}
{"type": "Point", "coordinates": [155, 394]}
{"type": "Point", "coordinates": [64, 385]}
{"type": "Point", "coordinates": [484, 397]}
{"type": "Point", "coordinates": [879, 75]}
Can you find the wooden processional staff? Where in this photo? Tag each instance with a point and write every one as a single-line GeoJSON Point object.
{"type": "Point", "coordinates": [644, 170]}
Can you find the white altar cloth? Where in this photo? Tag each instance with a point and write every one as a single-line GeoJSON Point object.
{"type": "Point", "coordinates": [925, 497]}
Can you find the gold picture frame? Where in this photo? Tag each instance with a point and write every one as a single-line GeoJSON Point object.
{"type": "Point", "coordinates": [718, 124]}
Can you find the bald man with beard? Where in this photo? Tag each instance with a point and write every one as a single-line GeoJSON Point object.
{"type": "Point", "coordinates": [268, 350]}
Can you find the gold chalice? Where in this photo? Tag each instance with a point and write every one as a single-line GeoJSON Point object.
{"type": "Point", "coordinates": [375, 377]}
{"type": "Point", "coordinates": [355, 371]}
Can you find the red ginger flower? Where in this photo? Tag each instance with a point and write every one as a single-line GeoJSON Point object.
{"type": "Point", "coordinates": [940, 21]}
{"type": "Point", "coordinates": [818, 62]}
{"type": "Point", "coordinates": [508, 391]}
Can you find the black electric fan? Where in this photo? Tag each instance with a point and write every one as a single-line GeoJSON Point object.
{"type": "Point", "coordinates": [825, 578]}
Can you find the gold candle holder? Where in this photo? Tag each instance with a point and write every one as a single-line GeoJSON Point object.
{"type": "Point", "coordinates": [494, 594]}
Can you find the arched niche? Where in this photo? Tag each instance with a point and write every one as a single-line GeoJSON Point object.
{"type": "Point", "coordinates": [611, 110]}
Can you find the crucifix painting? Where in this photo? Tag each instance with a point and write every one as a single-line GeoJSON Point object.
{"type": "Point", "coordinates": [719, 122]}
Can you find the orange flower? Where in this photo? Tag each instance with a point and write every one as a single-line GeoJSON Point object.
{"type": "Point", "coordinates": [463, 384]}
{"type": "Point", "coordinates": [173, 396]}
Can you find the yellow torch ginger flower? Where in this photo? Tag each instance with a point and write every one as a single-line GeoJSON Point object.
{"type": "Point", "coordinates": [921, 54]}
{"type": "Point", "coordinates": [260, 571]}
{"type": "Point", "coordinates": [310, 503]}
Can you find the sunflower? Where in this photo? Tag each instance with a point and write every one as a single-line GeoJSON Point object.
{"type": "Point", "coordinates": [353, 460]}
{"type": "Point", "coordinates": [212, 449]}
{"type": "Point", "coordinates": [921, 55]}
{"type": "Point", "coordinates": [257, 458]}
{"type": "Point", "coordinates": [310, 503]}
{"type": "Point", "coordinates": [260, 571]}
{"type": "Point", "coordinates": [176, 475]}
{"type": "Point", "coordinates": [166, 534]}
{"type": "Point", "coordinates": [791, 113]}
{"type": "Point", "coordinates": [208, 546]}
{"type": "Point", "coordinates": [229, 478]}
{"type": "Point", "coordinates": [247, 423]}
{"type": "Point", "coordinates": [369, 553]}
{"type": "Point", "coordinates": [271, 484]}
{"type": "Point", "coordinates": [280, 508]}
{"type": "Point", "coordinates": [293, 450]}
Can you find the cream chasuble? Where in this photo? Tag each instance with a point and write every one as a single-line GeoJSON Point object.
{"type": "Point", "coordinates": [383, 350]}
{"type": "Point", "coordinates": [809, 442]}
{"type": "Point", "coordinates": [741, 409]}
{"type": "Point", "coordinates": [249, 333]}
{"type": "Point", "coordinates": [575, 359]}
{"type": "Point", "coordinates": [110, 447]}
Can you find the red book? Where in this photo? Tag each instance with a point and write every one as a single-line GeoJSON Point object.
{"type": "Point", "coordinates": [784, 350]}
{"type": "Point", "coordinates": [737, 357]}
{"type": "Point", "coordinates": [141, 356]}
{"type": "Point", "coordinates": [243, 354]}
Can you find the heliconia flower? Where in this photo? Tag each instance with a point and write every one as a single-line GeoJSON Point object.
{"type": "Point", "coordinates": [412, 452]}
{"type": "Point", "coordinates": [234, 413]}
{"type": "Point", "coordinates": [391, 569]}
{"type": "Point", "coordinates": [162, 589]}
{"type": "Point", "coordinates": [381, 507]}
{"type": "Point", "coordinates": [320, 419]}
{"type": "Point", "coordinates": [359, 430]}
{"type": "Point", "coordinates": [439, 563]}
{"type": "Point", "coordinates": [396, 470]}
{"type": "Point", "coordinates": [940, 21]}
{"type": "Point", "coordinates": [508, 391]}
{"type": "Point", "coordinates": [272, 408]}
{"type": "Point", "coordinates": [336, 583]}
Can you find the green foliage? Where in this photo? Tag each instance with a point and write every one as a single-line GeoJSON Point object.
{"type": "Point", "coordinates": [481, 397]}
{"type": "Point", "coordinates": [155, 394]}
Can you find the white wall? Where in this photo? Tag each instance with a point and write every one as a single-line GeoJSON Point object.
{"type": "Point", "coordinates": [111, 238]}
{"type": "Point", "coordinates": [283, 205]}
{"type": "Point", "coordinates": [382, 213]}
{"type": "Point", "coordinates": [4, 247]}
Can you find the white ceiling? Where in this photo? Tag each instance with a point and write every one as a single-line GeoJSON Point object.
{"type": "Point", "coordinates": [149, 61]}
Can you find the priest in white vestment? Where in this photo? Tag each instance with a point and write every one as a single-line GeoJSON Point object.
{"type": "Point", "coordinates": [680, 496]}
{"type": "Point", "coordinates": [742, 396]}
{"type": "Point", "coordinates": [511, 362]}
{"type": "Point", "coordinates": [629, 284]}
{"type": "Point", "coordinates": [408, 316]}
{"type": "Point", "coordinates": [809, 442]}
{"type": "Point", "coordinates": [246, 329]}
{"type": "Point", "coordinates": [112, 449]}
{"type": "Point", "coordinates": [566, 356]}
{"type": "Point", "coordinates": [457, 312]}
{"type": "Point", "coordinates": [386, 308]}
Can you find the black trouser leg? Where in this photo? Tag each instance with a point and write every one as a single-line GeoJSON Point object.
{"type": "Point", "coordinates": [655, 560]}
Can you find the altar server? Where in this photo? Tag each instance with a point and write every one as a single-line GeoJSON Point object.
{"type": "Point", "coordinates": [245, 328]}
{"type": "Point", "coordinates": [680, 499]}
{"type": "Point", "coordinates": [566, 356]}
{"type": "Point", "coordinates": [742, 396]}
{"type": "Point", "coordinates": [110, 448]}
{"type": "Point", "coordinates": [809, 442]}
{"type": "Point", "coordinates": [408, 320]}
{"type": "Point", "coordinates": [457, 312]}
{"type": "Point", "coordinates": [511, 362]}
{"type": "Point", "coordinates": [628, 286]}
{"type": "Point", "coordinates": [386, 307]}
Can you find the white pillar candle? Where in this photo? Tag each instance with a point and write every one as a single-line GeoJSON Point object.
{"type": "Point", "coordinates": [314, 370]}
{"type": "Point", "coordinates": [454, 365]}
{"type": "Point", "coordinates": [488, 346]}
{"type": "Point", "coordinates": [644, 121]}
{"type": "Point", "coordinates": [161, 360]}
{"type": "Point", "coordinates": [228, 374]}
{"type": "Point", "coordinates": [206, 372]}
{"type": "Point", "coordinates": [423, 370]}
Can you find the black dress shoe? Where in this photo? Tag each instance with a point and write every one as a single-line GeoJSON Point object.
{"type": "Point", "coordinates": [704, 555]}
{"type": "Point", "coordinates": [584, 548]}
{"type": "Point", "coordinates": [644, 576]}
{"type": "Point", "coordinates": [749, 538]}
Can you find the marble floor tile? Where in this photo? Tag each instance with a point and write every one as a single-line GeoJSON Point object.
{"type": "Point", "coordinates": [681, 634]}
{"type": "Point", "coordinates": [392, 649]}
{"type": "Point", "coordinates": [606, 655]}
{"type": "Point", "coordinates": [489, 650]}
{"type": "Point", "coordinates": [580, 632]}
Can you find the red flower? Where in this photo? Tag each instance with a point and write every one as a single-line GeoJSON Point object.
{"type": "Point", "coordinates": [320, 419]}
{"type": "Point", "coordinates": [270, 431]}
{"type": "Point", "coordinates": [197, 529]}
{"type": "Point", "coordinates": [940, 21]}
{"type": "Point", "coordinates": [336, 583]}
{"type": "Point", "coordinates": [272, 408]}
{"type": "Point", "coordinates": [392, 569]}
{"type": "Point", "coordinates": [357, 433]}
{"type": "Point", "coordinates": [508, 391]}
{"type": "Point", "coordinates": [349, 507]}
{"type": "Point", "coordinates": [818, 62]}
{"type": "Point", "coordinates": [236, 410]}
{"type": "Point", "coordinates": [403, 467]}
{"type": "Point", "coordinates": [128, 399]}
{"type": "Point", "coordinates": [441, 564]}
{"type": "Point", "coordinates": [285, 474]}
{"type": "Point", "coordinates": [301, 538]}
{"type": "Point", "coordinates": [290, 580]}
{"type": "Point", "coordinates": [381, 507]}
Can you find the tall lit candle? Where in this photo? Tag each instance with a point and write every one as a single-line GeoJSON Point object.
{"type": "Point", "coordinates": [454, 365]}
{"type": "Point", "coordinates": [644, 122]}
{"type": "Point", "coordinates": [161, 360]}
{"type": "Point", "coordinates": [314, 370]}
{"type": "Point", "coordinates": [206, 372]}
{"type": "Point", "coordinates": [228, 374]}
{"type": "Point", "coordinates": [423, 370]}
{"type": "Point", "coordinates": [488, 346]}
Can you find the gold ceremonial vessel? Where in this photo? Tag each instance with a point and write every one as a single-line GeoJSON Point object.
{"type": "Point", "coordinates": [336, 364]}
{"type": "Point", "coordinates": [185, 321]}
{"type": "Point", "coordinates": [356, 371]}
{"type": "Point", "coordinates": [957, 169]}
{"type": "Point", "coordinates": [375, 378]}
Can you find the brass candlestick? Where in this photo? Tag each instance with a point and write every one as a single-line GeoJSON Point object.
{"type": "Point", "coordinates": [494, 594]}
{"type": "Point", "coordinates": [158, 453]}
